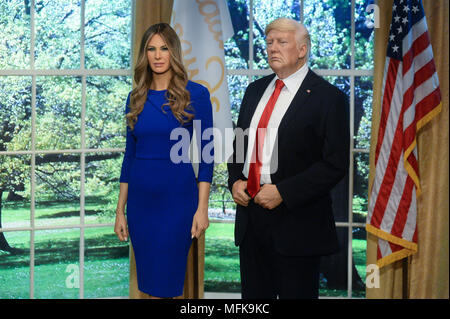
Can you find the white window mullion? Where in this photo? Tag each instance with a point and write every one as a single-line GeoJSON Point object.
{"type": "Point", "coordinates": [83, 147]}
{"type": "Point", "coordinates": [33, 146]}
{"type": "Point", "coordinates": [250, 38]}
{"type": "Point", "coordinates": [133, 41]}
{"type": "Point", "coordinates": [82, 187]}
{"type": "Point", "coordinates": [352, 36]}
{"type": "Point", "coordinates": [53, 227]}
{"type": "Point", "coordinates": [66, 72]}
{"type": "Point", "coordinates": [220, 221]}
{"type": "Point", "coordinates": [350, 188]}
{"type": "Point", "coordinates": [88, 150]}
{"type": "Point", "coordinates": [321, 72]}
{"type": "Point", "coordinates": [132, 38]}
{"type": "Point", "coordinates": [33, 183]}
{"type": "Point", "coordinates": [350, 175]}
{"type": "Point", "coordinates": [302, 7]}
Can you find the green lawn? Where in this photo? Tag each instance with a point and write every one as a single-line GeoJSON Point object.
{"type": "Point", "coordinates": [221, 259]}
{"type": "Point", "coordinates": [359, 256]}
{"type": "Point", "coordinates": [106, 267]}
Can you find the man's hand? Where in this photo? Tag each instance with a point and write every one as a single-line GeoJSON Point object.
{"type": "Point", "coordinates": [268, 196]}
{"type": "Point", "coordinates": [239, 195]}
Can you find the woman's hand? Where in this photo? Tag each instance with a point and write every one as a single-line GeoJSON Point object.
{"type": "Point", "coordinates": [120, 227]}
{"type": "Point", "coordinates": [200, 222]}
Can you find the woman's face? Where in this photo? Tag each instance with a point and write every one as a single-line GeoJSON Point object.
{"type": "Point", "coordinates": [158, 55]}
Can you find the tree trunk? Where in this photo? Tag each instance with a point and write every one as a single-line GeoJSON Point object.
{"type": "Point", "coordinates": [3, 242]}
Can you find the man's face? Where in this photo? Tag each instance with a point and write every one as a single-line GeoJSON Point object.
{"type": "Point", "coordinates": [285, 55]}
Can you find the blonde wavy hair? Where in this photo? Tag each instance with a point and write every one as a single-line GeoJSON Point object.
{"type": "Point", "coordinates": [177, 95]}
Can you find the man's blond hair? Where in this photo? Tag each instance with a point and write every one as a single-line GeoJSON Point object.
{"type": "Point", "coordinates": [286, 24]}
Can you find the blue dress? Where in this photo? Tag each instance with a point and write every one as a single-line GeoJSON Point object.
{"type": "Point", "coordinates": [162, 188]}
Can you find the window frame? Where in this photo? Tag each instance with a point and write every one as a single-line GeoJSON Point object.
{"type": "Point", "coordinates": [83, 73]}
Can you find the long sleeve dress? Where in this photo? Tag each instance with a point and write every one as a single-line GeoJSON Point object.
{"type": "Point", "coordinates": [162, 188]}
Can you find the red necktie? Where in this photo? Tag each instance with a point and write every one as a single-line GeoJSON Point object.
{"type": "Point", "coordinates": [254, 173]}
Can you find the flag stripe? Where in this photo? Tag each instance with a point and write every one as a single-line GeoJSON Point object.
{"type": "Point", "coordinates": [384, 247]}
{"type": "Point", "coordinates": [397, 190]}
{"type": "Point", "coordinates": [412, 162]}
{"type": "Point", "coordinates": [403, 209]}
{"type": "Point", "coordinates": [379, 254]}
{"type": "Point", "coordinates": [424, 85]}
{"type": "Point", "coordinates": [423, 107]}
{"type": "Point", "coordinates": [389, 176]}
{"type": "Point", "coordinates": [428, 103]}
{"type": "Point", "coordinates": [420, 60]}
{"type": "Point", "coordinates": [410, 225]}
{"type": "Point", "coordinates": [419, 28]}
{"type": "Point", "coordinates": [411, 81]}
{"type": "Point", "coordinates": [387, 130]}
{"type": "Point", "coordinates": [418, 47]}
{"type": "Point", "coordinates": [390, 85]}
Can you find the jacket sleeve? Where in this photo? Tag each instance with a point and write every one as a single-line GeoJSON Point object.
{"type": "Point", "coordinates": [205, 137]}
{"type": "Point", "coordinates": [130, 149]}
{"type": "Point", "coordinates": [236, 161]}
{"type": "Point", "coordinates": [317, 180]}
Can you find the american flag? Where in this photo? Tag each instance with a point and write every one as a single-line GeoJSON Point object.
{"type": "Point", "coordinates": [410, 99]}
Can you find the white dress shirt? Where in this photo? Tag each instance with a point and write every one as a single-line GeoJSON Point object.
{"type": "Point", "coordinates": [291, 85]}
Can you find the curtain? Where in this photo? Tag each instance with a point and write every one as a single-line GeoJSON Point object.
{"type": "Point", "coordinates": [147, 13]}
{"type": "Point", "coordinates": [427, 272]}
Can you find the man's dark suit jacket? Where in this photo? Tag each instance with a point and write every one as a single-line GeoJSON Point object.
{"type": "Point", "coordinates": [313, 156]}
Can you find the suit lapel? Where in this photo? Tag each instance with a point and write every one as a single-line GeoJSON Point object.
{"type": "Point", "coordinates": [300, 99]}
{"type": "Point", "coordinates": [258, 93]}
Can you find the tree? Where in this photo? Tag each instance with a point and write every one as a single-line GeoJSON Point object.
{"type": "Point", "coordinates": [58, 98]}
